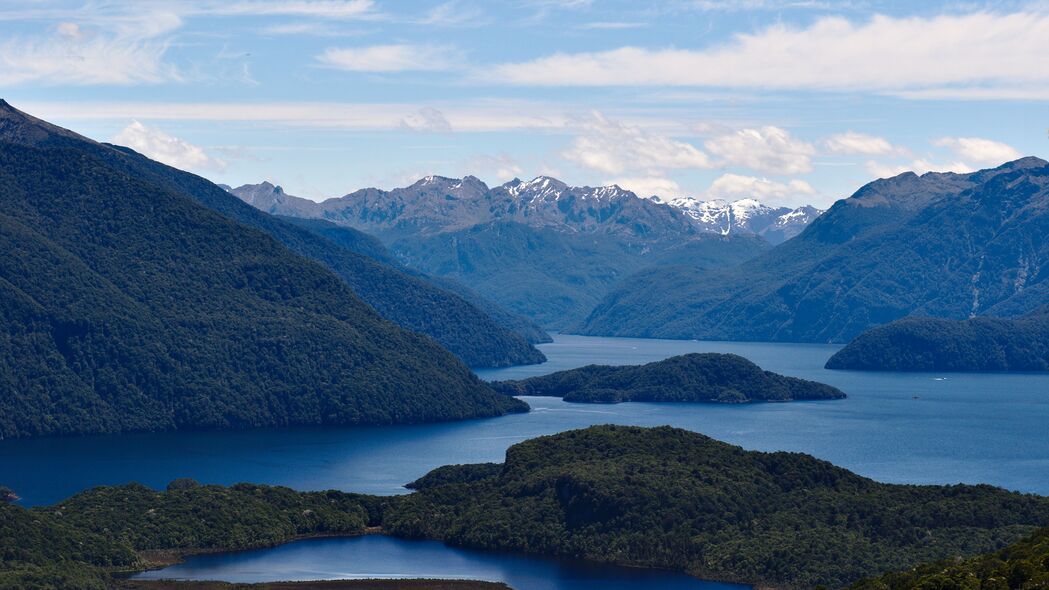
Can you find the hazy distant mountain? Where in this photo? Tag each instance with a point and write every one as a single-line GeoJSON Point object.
{"type": "Point", "coordinates": [775, 224]}
{"type": "Point", "coordinates": [540, 247]}
{"type": "Point", "coordinates": [413, 302]}
{"type": "Point", "coordinates": [127, 304]}
{"type": "Point", "coordinates": [945, 245]}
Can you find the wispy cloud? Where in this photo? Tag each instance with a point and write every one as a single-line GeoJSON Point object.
{"type": "Point", "coordinates": [979, 150]}
{"type": "Point", "coordinates": [737, 186]}
{"type": "Point", "coordinates": [769, 149]}
{"type": "Point", "coordinates": [392, 58]}
{"type": "Point", "coordinates": [851, 142]}
{"type": "Point", "coordinates": [335, 9]}
{"type": "Point", "coordinates": [614, 148]}
{"type": "Point", "coordinates": [885, 53]}
{"type": "Point", "coordinates": [612, 26]}
{"type": "Point", "coordinates": [125, 52]}
{"type": "Point", "coordinates": [165, 148]}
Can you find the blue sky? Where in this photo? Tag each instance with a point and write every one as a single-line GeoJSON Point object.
{"type": "Point", "coordinates": [790, 102]}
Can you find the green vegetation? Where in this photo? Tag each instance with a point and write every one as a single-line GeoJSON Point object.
{"type": "Point", "coordinates": [127, 306]}
{"type": "Point", "coordinates": [722, 378]}
{"type": "Point", "coordinates": [933, 344]}
{"type": "Point", "coordinates": [80, 542]}
{"type": "Point", "coordinates": [477, 331]}
{"type": "Point", "coordinates": [1020, 566]}
{"type": "Point", "coordinates": [671, 498]}
{"type": "Point", "coordinates": [942, 245]}
{"type": "Point", "coordinates": [634, 496]}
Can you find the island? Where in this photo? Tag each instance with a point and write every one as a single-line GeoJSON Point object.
{"type": "Point", "coordinates": [652, 497]}
{"type": "Point", "coordinates": [696, 377]}
{"type": "Point", "coordinates": [936, 344]}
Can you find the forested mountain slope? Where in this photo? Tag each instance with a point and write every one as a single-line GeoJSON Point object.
{"type": "Point", "coordinates": [943, 245]}
{"type": "Point", "coordinates": [129, 306]}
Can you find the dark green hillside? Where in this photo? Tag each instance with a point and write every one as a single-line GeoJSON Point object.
{"type": "Point", "coordinates": [128, 306]}
{"type": "Point", "coordinates": [1021, 566]}
{"type": "Point", "coordinates": [942, 245]}
{"type": "Point", "coordinates": [407, 301]}
{"type": "Point", "coordinates": [411, 303]}
{"type": "Point", "coordinates": [77, 544]}
{"type": "Point", "coordinates": [477, 339]}
{"type": "Point", "coordinates": [933, 344]}
{"type": "Point", "coordinates": [671, 498]}
{"type": "Point", "coordinates": [722, 378]}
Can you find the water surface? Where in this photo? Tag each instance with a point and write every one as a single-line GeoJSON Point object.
{"type": "Point", "coordinates": [376, 556]}
{"type": "Point", "coordinates": [894, 427]}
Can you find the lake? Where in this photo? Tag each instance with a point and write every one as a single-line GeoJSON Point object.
{"type": "Point", "coordinates": [894, 427]}
{"type": "Point", "coordinates": [377, 556]}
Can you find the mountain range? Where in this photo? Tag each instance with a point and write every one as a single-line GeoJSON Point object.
{"type": "Point", "coordinates": [940, 244]}
{"type": "Point", "coordinates": [542, 248]}
{"type": "Point", "coordinates": [138, 297]}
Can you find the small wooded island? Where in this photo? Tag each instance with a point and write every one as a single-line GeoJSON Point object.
{"type": "Point", "coordinates": [935, 344]}
{"type": "Point", "coordinates": [696, 377]}
{"type": "Point", "coordinates": [659, 497]}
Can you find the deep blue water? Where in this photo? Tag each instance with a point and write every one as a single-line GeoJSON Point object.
{"type": "Point", "coordinates": [385, 557]}
{"type": "Point", "coordinates": [915, 428]}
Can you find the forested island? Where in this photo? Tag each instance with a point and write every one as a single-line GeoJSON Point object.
{"type": "Point", "coordinates": [659, 497]}
{"type": "Point", "coordinates": [935, 344]}
{"type": "Point", "coordinates": [1021, 566]}
{"type": "Point", "coordinates": [696, 377]}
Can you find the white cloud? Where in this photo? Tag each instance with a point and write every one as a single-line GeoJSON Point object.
{"type": "Point", "coordinates": [160, 146]}
{"type": "Point", "coordinates": [769, 149]}
{"type": "Point", "coordinates": [121, 50]}
{"type": "Point", "coordinates": [391, 58]}
{"type": "Point", "coordinates": [71, 61]}
{"type": "Point", "coordinates": [463, 115]}
{"type": "Point", "coordinates": [882, 54]}
{"type": "Point", "coordinates": [647, 186]}
{"type": "Point", "coordinates": [736, 186]}
{"type": "Point", "coordinates": [501, 168]}
{"type": "Point", "coordinates": [919, 166]}
{"type": "Point", "coordinates": [612, 26]}
{"type": "Point", "coordinates": [615, 148]}
{"type": "Point", "coordinates": [851, 142]}
{"type": "Point", "coordinates": [979, 150]}
{"type": "Point", "coordinates": [427, 119]}
{"type": "Point", "coordinates": [341, 9]}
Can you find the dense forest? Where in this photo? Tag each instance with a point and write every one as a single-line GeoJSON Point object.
{"type": "Point", "coordinates": [78, 543]}
{"type": "Point", "coordinates": [710, 377]}
{"type": "Point", "coordinates": [126, 306]}
{"type": "Point", "coordinates": [1021, 566]}
{"type": "Point", "coordinates": [672, 498]}
{"type": "Point", "coordinates": [934, 344]}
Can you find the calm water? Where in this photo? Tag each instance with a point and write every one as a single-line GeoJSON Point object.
{"type": "Point", "coordinates": [915, 428]}
{"type": "Point", "coordinates": [385, 557]}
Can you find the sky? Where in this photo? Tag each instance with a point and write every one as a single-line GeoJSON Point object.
{"type": "Point", "coordinates": [790, 102]}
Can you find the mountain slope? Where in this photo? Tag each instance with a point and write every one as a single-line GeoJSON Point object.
{"type": "Point", "coordinates": [541, 248]}
{"type": "Point", "coordinates": [936, 344]}
{"type": "Point", "coordinates": [129, 306]}
{"type": "Point", "coordinates": [943, 245]}
{"type": "Point", "coordinates": [478, 337]}
{"type": "Point", "coordinates": [411, 303]}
